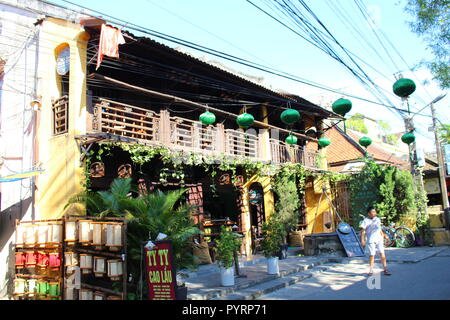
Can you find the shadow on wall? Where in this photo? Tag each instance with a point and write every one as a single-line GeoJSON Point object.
{"type": "Point", "coordinates": [7, 227]}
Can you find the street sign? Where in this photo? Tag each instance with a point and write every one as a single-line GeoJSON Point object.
{"type": "Point", "coordinates": [349, 240]}
{"type": "Point", "coordinates": [161, 276]}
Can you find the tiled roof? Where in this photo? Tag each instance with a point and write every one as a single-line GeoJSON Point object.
{"type": "Point", "coordinates": [345, 148]}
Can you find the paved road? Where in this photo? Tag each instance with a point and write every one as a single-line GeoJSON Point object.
{"type": "Point", "coordinates": [428, 279]}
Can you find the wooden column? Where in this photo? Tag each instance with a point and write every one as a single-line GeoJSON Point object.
{"type": "Point", "coordinates": [164, 127]}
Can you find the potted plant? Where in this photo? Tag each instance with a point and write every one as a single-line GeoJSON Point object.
{"type": "Point", "coordinates": [226, 245]}
{"type": "Point", "coordinates": [274, 233]}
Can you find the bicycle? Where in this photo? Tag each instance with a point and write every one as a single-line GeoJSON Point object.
{"type": "Point", "coordinates": [401, 236]}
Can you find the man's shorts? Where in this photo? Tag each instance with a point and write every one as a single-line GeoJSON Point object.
{"type": "Point", "coordinates": [374, 247]}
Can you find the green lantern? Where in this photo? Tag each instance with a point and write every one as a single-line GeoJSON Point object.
{"type": "Point", "coordinates": [324, 142]}
{"type": "Point", "coordinates": [245, 120]}
{"type": "Point", "coordinates": [291, 139]}
{"type": "Point", "coordinates": [404, 87]}
{"type": "Point", "coordinates": [290, 116]}
{"type": "Point", "coordinates": [365, 141]}
{"type": "Point", "coordinates": [207, 118]}
{"type": "Point", "coordinates": [342, 106]}
{"type": "Point", "coordinates": [408, 138]}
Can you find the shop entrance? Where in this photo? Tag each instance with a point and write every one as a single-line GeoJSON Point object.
{"type": "Point", "coordinates": [257, 213]}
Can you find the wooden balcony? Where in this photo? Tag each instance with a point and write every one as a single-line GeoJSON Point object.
{"type": "Point", "coordinates": [188, 135]}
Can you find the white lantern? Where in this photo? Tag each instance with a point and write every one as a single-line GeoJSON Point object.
{"type": "Point", "coordinates": [115, 269]}
{"type": "Point", "coordinates": [99, 296]}
{"type": "Point", "coordinates": [70, 261]}
{"type": "Point", "coordinates": [99, 266]}
{"type": "Point", "coordinates": [30, 236]}
{"type": "Point", "coordinates": [69, 294]}
{"type": "Point", "coordinates": [42, 235]}
{"type": "Point", "coordinates": [55, 234]}
{"type": "Point", "coordinates": [20, 236]}
{"type": "Point", "coordinates": [86, 294]}
{"type": "Point", "coordinates": [20, 286]}
{"type": "Point", "coordinates": [32, 287]}
{"type": "Point", "coordinates": [86, 263]}
{"type": "Point", "coordinates": [114, 236]}
{"type": "Point", "coordinates": [85, 232]}
{"type": "Point", "coordinates": [71, 233]}
{"type": "Point", "coordinates": [98, 237]}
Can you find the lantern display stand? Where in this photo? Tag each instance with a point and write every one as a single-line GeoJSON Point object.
{"type": "Point", "coordinates": [100, 258]}
{"type": "Point", "coordinates": [38, 260]}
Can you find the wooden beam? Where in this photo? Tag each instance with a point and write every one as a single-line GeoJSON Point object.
{"type": "Point", "coordinates": [196, 105]}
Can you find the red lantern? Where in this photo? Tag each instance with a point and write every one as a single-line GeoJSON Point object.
{"type": "Point", "coordinates": [31, 259]}
{"type": "Point", "coordinates": [20, 260]}
{"type": "Point", "coordinates": [42, 260]}
{"type": "Point", "coordinates": [54, 260]}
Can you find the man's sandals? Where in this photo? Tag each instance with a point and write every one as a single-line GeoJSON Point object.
{"type": "Point", "coordinates": [386, 273]}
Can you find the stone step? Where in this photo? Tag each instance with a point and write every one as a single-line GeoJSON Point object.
{"type": "Point", "coordinates": [260, 280]}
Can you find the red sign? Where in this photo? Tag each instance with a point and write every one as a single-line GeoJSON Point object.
{"type": "Point", "coordinates": [161, 277]}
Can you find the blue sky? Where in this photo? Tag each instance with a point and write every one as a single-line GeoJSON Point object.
{"type": "Point", "coordinates": [238, 28]}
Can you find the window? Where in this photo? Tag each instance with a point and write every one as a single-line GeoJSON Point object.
{"type": "Point", "coordinates": [60, 107]}
{"type": "Point", "coordinates": [60, 110]}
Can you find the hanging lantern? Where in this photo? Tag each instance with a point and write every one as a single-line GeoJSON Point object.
{"type": "Point", "coordinates": [31, 287]}
{"type": "Point", "coordinates": [85, 232]}
{"type": "Point", "coordinates": [70, 293]}
{"type": "Point", "coordinates": [42, 261]}
{"type": "Point", "coordinates": [245, 120]}
{"type": "Point", "coordinates": [86, 263]}
{"type": "Point", "coordinates": [207, 118]}
{"type": "Point", "coordinates": [55, 234]}
{"type": "Point", "coordinates": [86, 294]}
{"type": "Point", "coordinates": [342, 106]}
{"type": "Point", "coordinates": [54, 261]}
{"type": "Point", "coordinates": [20, 236]}
{"type": "Point", "coordinates": [71, 261]}
{"type": "Point", "coordinates": [20, 260]}
{"type": "Point", "coordinates": [324, 142]}
{"type": "Point", "coordinates": [99, 296]}
{"type": "Point", "coordinates": [291, 139]}
{"type": "Point", "coordinates": [404, 87]}
{"type": "Point", "coordinates": [20, 287]}
{"type": "Point", "coordinates": [54, 289]}
{"type": "Point", "coordinates": [114, 236]}
{"type": "Point", "coordinates": [30, 236]}
{"type": "Point", "coordinates": [114, 269]}
{"type": "Point", "coordinates": [42, 288]}
{"type": "Point", "coordinates": [98, 237]}
{"type": "Point", "coordinates": [71, 233]}
{"type": "Point", "coordinates": [290, 116]}
{"type": "Point", "coordinates": [31, 259]}
{"type": "Point", "coordinates": [365, 141]}
{"type": "Point", "coordinates": [408, 138]}
{"type": "Point", "coordinates": [42, 235]}
{"type": "Point", "coordinates": [99, 266]}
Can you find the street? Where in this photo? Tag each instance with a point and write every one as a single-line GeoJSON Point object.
{"type": "Point", "coordinates": [428, 280]}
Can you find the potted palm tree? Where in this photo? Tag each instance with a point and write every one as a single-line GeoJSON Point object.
{"type": "Point", "coordinates": [273, 237]}
{"type": "Point", "coordinates": [227, 244]}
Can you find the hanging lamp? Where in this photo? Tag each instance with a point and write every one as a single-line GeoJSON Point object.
{"type": "Point", "coordinates": [365, 141]}
{"type": "Point", "coordinates": [245, 120]}
{"type": "Point", "coordinates": [408, 138]}
{"type": "Point", "coordinates": [207, 118]}
{"type": "Point", "coordinates": [324, 142]}
{"type": "Point", "coordinates": [291, 139]}
{"type": "Point", "coordinates": [290, 116]}
{"type": "Point", "coordinates": [404, 87]}
{"type": "Point", "coordinates": [342, 106]}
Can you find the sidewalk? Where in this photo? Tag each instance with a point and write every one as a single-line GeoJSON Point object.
{"type": "Point", "coordinates": [204, 284]}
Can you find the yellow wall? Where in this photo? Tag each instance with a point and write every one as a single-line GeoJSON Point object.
{"type": "Point", "coordinates": [314, 210]}
{"type": "Point", "coordinates": [60, 154]}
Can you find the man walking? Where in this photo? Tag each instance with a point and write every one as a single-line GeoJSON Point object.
{"type": "Point", "coordinates": [371, 226]}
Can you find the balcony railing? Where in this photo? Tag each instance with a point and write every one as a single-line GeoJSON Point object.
{"type": "Point", "coordinates": [184, 134]}
{"type": "Point", "coordinates": [282, 152]}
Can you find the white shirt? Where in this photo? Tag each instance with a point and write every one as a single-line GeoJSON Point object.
{"type": "Point", "coordinates": [373, 229]}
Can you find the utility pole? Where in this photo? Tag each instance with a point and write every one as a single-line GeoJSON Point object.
{"type": "Point", "coordinates": [443, 184]}
{"type": "Point", "coordinates": [415, 171]}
